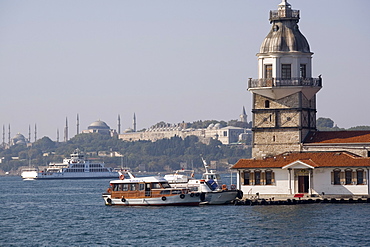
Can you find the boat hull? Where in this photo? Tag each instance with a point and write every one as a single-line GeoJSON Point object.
{"type": "Point", "coordinates": [74, 175]}
{"type": "Point", "coordinates": [29, 175]}
{"type": "Point", "coordinates": [220, 197]}
{"type": "Point", "coordinates": [173, 200]}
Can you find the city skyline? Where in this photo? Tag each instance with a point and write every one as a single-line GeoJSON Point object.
{"type": "Point", "coordinates": [164, 61]}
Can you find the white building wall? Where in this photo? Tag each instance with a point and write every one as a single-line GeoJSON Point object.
{"type": "Point", "coordinates": [322, 183]}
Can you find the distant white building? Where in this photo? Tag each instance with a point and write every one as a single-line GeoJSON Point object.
{"type": "Point", "coordinates": [226, 135]}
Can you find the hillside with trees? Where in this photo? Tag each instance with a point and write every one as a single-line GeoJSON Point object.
{"type": "Point", "coordinates": [162, 155]}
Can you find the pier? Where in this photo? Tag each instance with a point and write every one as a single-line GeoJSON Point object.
{"type": "Point", "coordinates": [301, 200]}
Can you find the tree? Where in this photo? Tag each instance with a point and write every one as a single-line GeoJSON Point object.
{"type": "Point", "coordinates": [324, 123]}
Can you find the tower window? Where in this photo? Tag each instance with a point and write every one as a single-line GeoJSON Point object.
{"type": "Point", "coordinates": [286, 71]}
{"type": "Point", "coordinates": [268, 71]}
{"type": "Point", "coordinates": [267, 104]}
{"type": "Point", "coordinates": [302, 71]}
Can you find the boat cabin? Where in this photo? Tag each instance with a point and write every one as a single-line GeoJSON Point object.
{"type": "Point", "coordinates": [143, 188]}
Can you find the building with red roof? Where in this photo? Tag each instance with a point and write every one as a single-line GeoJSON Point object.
{"type": "Point", "coordinates": [290, 157]}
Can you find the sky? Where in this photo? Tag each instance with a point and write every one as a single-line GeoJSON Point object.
{"type": "Point", "coordinates": [165, 60]}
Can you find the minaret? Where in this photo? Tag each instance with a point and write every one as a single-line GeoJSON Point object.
{"type": "Point", "coordinates": [134, 123]}
{"type": "Point", "coordinates": [284, 95]}
{"type": "Point", "coordinates": [243, 116]}
{"type": "Point", "coordinates": [9, 135]}
{"type": "Point", "coordinates": [78, 125]}
{"type": "Point", "coordinates": [119, 124]}
{"type": "Point", "coordinates": [29, 133]}
{"type": "Point", "coordinates": [57, 135]}
{"type": "Point", "coordinates": [3, 135]}
{"type": "Point", "coordinates": [66, 131]}
{"type": "Point", "coordinates": [35, 133]}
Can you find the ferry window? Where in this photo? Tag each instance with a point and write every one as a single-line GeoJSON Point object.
{"type": "Point", "coordinates": [133, 187]}
{"type": "Point", "coordinates": [348, 176]}
{"type": "Point", "coordinates": [141, 186]}
{"type": "Point", "coordinates": [125, 187]}
{"type": "Point", "coordinates": [156, 186]}
{"type": "Point", "coordinates": [257, 178]}
{"type": "Point", "coordinates": [115, 187]}
{"type": "Point", "coordinates": [165, 185]}
{"type": "Point", "coordinates": [165, 192]}
{"type": "Point", "coordinates": [360, 176]}
{"type": "Point", "coordinates": [119, 186]}
{"type": "Point", "coordinates": [336, 177]}
{"type": "Point", "coordinates": [246, 177]}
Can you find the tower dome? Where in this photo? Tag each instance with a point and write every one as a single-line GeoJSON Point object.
{"type": "Point", "coordinates": [284, 35]}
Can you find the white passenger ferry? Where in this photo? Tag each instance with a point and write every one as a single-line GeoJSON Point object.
{"type": "Point", "coordinates": [148, 191]}
{"type": "Point", "coordinates": [75, 167]}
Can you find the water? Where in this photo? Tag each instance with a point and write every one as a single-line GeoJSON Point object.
{"type": "Point", "coordinates": [72, 213]}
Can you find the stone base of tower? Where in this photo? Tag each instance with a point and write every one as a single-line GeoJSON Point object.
{"type": "Point", "coordinates": [261, 151]}
{"type": "Point", "coordinates": [273, 142]}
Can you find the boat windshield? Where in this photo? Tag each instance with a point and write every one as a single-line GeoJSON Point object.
{"type": "Point", "coordinates": [165, 185]}
{"type": "Point", "coordinates": [212, 176]}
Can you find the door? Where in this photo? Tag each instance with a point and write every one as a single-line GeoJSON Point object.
{"type": "Point", "coordinates": [303, 184]}
{"type": "Point", "coordinates": [268, 75]}
{"type": "Point", "coordinates": [147, 190]}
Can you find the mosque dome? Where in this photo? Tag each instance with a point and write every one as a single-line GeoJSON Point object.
{"type": "Point", "coordinates": [210, 126]}
{"type": "Point", "coordinates": [284, 35]}
{"type": "Point", "coordinates": [128, 130]}
{"type": "Point", "coordinates": [19, 139]}
{"type": "Point", "coordinates": [98, 125]}
{"type": "Point", "coordinates": [217, 126]}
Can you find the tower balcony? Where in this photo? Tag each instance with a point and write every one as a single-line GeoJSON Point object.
{"type": "Point", "coordinates": [280, 82]}
{"type": "Point", "coordinates": [288, 14]}
{"type": "Point", "coordinates": [277, 88]}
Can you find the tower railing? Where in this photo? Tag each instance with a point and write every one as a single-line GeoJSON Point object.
{"type": "Point", "coordinates": [281, 14]}
{"type": "Point", "coordinates": [281, 82]}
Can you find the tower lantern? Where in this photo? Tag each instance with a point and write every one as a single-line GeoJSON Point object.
{"type": "Point", "coordinates": [284, 95]}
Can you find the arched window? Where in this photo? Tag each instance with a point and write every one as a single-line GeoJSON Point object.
{"type": "Point", "coordinates": [348, 176]}
{"type": "Point", "coordinates": [246, 178]}
{"type": "Point", "coordinates": [360, 176]}
{"type": "Point", "coordinates": [336, 177]}
{"type": "Point", "coordinates": [267, 104]}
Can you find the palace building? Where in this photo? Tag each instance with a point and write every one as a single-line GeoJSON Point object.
{"type": "Point", "coordinates": [289, 155]}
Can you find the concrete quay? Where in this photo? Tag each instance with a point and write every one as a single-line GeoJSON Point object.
{"type": "Point", "coordinates": [302, 200]}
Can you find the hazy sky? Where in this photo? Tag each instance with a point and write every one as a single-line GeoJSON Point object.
{"type": "Point", "coordinates": [165, 60]}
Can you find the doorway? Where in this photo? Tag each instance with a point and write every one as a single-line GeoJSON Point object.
{"type": "Point", "coordinates": [303, 184]}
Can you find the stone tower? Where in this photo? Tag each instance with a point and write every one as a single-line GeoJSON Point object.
{"type": "Point", "coordinates": [284, 95]}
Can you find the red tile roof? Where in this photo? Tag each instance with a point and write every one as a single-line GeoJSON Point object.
{"type": "Point", "coordinates": [315, 159]}
{"type": "Point", "coordinates": [362, 136]}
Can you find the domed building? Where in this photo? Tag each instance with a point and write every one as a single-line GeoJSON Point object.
{"type": "Point", "coordinates": [19, 139]}
{"type": "Point", "coordinates": [99, 127]}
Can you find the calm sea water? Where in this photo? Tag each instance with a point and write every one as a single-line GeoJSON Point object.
{"type": "Point", "coordinates": [72, 213]}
